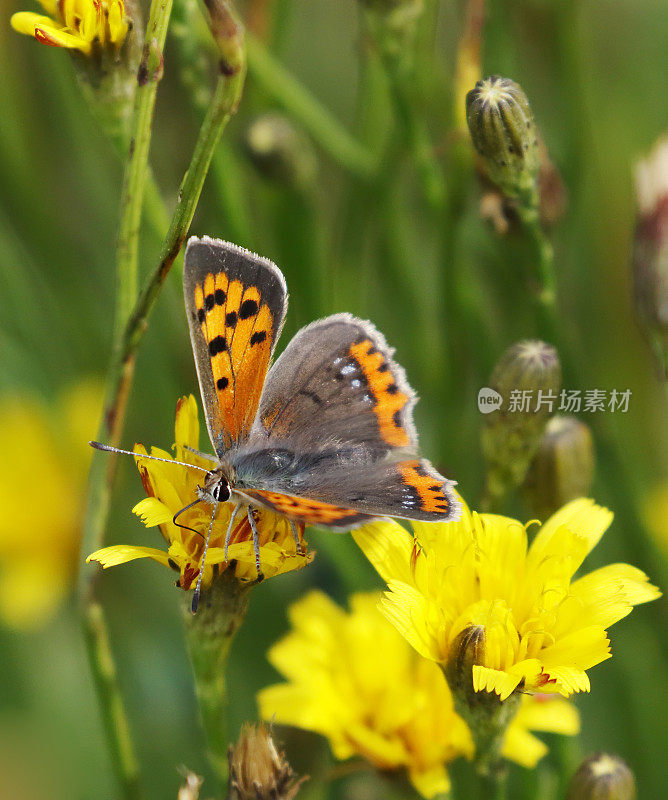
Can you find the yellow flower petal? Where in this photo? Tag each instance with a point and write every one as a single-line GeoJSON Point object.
{"type": "Point", "coordinates": [46, 31]}
{"type": "Point", "coordinates": [152, 512]}
{"type": "Point", "coordinates": [430, 782]}
{"type": "Point", "coordinates": [186, 426]}
{"type": "Point", "coordinates": [388, 546]}
{"type": "Point", "coordinates": [121, 553]}
{"type": "Point", "coordinates": [522, 747]}
{"type": "Point", "coordinates": [405, 608]}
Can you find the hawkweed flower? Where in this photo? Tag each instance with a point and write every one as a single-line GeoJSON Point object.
{"type": "Point", "coordinates": [650, 250]}
{"type": "Point", "coordinates": [562, 468]}
{"type": "Point", "coordinates": [355, 680]}
{"type": "Point", "coordinates": [543, 628]}
{"type": "Point", "coordinates": [76, 24]}
{"type": "Point", "coordinates": [258, 770]}
{"type": "Point", "coordinates": [226, 579]}
{"type": "Point", "coordinates": [602, 777]}
{"type": "Point", "coordinates": [170, 488]}
{"type": "Point", "coordinates": [44, 446]}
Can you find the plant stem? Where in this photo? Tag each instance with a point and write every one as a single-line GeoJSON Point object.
{"type": "Point", "coordinates": [131, 320]}
{"type": "Point", "coordinates": [111, 701]}
{"type": "Point", "coordinates": [210, 633]}
{"type": "Point", "coordinates": [315, 118]}
{"type": "Point", "coordinates": [117, 390]}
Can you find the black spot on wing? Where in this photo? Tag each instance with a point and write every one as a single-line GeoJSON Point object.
{"type": "Point", "coordinates": [249, 308]}
{"type": "Point", "coordinates": [258, 337]}
{"type": "Point", "coordinates": [217, 345]}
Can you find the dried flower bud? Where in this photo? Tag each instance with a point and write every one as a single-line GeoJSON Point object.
{"type": "Point", "coordinates": [650, 251]}
{"type": "Point", "coordinates": [258, 771]}
{"type": "Point", "coordinates": [189, 790]}
{"type": "Point", "coordinates": [526, 381]}
{"type": "Point", "coordinates": [562, 468]}
{"type": "Point", "coordinates": [281, 152]}
{"type": "Point", "coordinates": [602, 777]}
{"type": "Point", "coordinates": [504, 134]}
{"type": "Point", "coordinates": [466, 651]}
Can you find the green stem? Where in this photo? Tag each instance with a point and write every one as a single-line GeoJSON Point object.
{"type": "Point", "coordinates": [111, 701]}
{"type": "Point", "coordinates": [314, 117]}
{"type": "Point", "coordinates": [223, 105]}
{"type": "Point", "coordinates": [543, 277]}
{"type": "Point", "coordinates": [132, 196]}
{"type": "Point", "coordinates": [209, 634]}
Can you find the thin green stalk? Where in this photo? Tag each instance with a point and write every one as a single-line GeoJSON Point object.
{"type": "Point", "coordinates": [132, 196]}
{"type": "Point", "coordinates": [117, 389]}
{"type": "Point", "coordinates": [314, 117]}
{"type": "Point", "coordinates": [111, 701]}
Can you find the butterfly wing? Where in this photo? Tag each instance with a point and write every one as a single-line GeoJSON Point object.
{"type": "Point", "coordinates": [335, 427]}
{"type": "Point", "coordinates": [235, 303]}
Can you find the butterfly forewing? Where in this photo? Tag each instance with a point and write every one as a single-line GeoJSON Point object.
{"type": "Point", "coordinates": [235, 303]}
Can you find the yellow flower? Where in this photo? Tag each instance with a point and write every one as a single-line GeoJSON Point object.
{"type": "Point", "coordinates": [355, 680]}
{"type": "Point", "coordinates": [42, 487]}
{"type": "Point", "coordinates": [170, 487]}
{"type": "Point", "coordinates": [75, 24]}
{"type": "Point", "coordinates": [543, 630]}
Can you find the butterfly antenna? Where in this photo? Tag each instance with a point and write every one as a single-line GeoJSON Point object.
{"type": "Point", "coordinates": [185, 527]}
{"type": "Point", "coordinates": [109, 449]}
{"type": "Point", "coordinates": [198, 588]}
{"type": "Point", "coordinates": [256, 542]}
{"type": "Point", "coordinates": [228, 534]}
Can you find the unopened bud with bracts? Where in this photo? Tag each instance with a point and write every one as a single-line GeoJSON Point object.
{"type": "Point", "coordinates": [650, 250]}
{"type": "Point", "coordinates": [503, 132]}
{"type": "Point", "coordinates": [602, 777]}
{"type": "Point", "coordinates": [485, 714]}
{"type": "Point", "coordinates": [527, 380]}
{"type": "Point", "coordinates": [257, 770]}
{"type": "Point", "coordinates": [562, 468]}
{"type": "Point", "coordinates": [281, 152]}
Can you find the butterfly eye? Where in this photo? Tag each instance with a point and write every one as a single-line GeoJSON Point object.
{"type": "Point", "coordinates": [221, 492]}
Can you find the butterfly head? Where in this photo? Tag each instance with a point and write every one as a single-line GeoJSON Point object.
{"type": "Point", "coordinates": [217, 487]}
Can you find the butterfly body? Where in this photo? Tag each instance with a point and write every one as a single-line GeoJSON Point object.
{"type": "Point", "coordinates": [325, 436]}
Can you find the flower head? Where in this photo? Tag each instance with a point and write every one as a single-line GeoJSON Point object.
{"type": "Point", "coordinates": [76, 24]}
{"type": "Point", "coordinates": [543, 629]}
{"type": "Point", "coordinates": [355, 680]}
{"type": "Point", "coordinates": [45, 451]}
{"type": "Point", "coordinates": [171, 487]}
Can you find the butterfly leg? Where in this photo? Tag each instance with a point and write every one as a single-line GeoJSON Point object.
{"type": "Point", "coordinates": [228, 534]}
{"type": "Point", "coordinates": [295, 536]}
{"type": "Point", "coordinates": [256, 542]}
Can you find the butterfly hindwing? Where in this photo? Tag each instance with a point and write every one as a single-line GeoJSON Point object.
{"type": "Point", "coordinates": [235, 303]}
{"type": "Point", "coordinates": [345, 497]}
{"type": "Point", "coordinates": [337, 383]}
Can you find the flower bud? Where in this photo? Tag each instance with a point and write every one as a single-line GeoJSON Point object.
{"type": "Point", "coordinates": [466, 651]}
{"type": "Point", "coordinates": [562, 468]}
{"type": "Point", "coordinates": [602, 777]}
{"type": "Point", "coordinates": [504, 134]}
{"type": "Point", "coordinates": [281, 152]}
{"type": "Point", "coordinates": [258, 771]}
{"type": "Point", "coordinates": [650, 250]}
{"type": "Point", "coordinates": [526, 381]}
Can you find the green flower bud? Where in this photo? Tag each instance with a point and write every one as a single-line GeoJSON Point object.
{"type": "Point", "coordinates": [602, 777]}
{"type": "Point", "coordinates": [281, 152]}
{"type": "Point", "coordinates": [525, 383]}
{"type": "Point", "coordinates": [562, 468]}
{"type": "Point", "coordinates": [504, 134]}
{"type": "Point", "coordinates": [486, 716]}
{"type": "Point", "coordinates": [650, 251]}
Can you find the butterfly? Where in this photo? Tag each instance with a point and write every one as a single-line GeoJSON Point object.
{"type": "Point", "coordinates": [325, 435]}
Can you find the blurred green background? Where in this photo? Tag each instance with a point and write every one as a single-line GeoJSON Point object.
{"type": "Point", "coordinates": [595, 73]}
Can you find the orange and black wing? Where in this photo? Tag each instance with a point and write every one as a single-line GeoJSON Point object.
{"type": "Point", "coordinates": [235, 303]}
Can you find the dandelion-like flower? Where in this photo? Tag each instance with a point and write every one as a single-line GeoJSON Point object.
{"type": "Point", "coordinates": [171, 487]}
{"type": "Point", "coordinates": [355, 680]}
{"type": "Point", "coordinates": [76, 24]}
{"type": "Point", "coordinates": [542, 628]}
{"type": "Point", "coordinates": [43, 447]}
